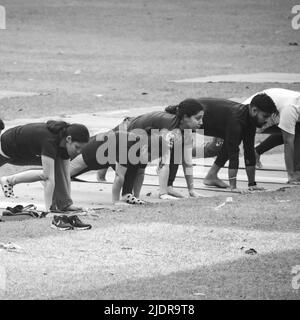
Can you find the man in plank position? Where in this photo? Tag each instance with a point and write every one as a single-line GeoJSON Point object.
{"type": "Point", "coordinates": [234, 122]}
{"type": "Point", "coordinates": [284, 128]}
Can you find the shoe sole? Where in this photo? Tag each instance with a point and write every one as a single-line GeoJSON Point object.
{"type": "Point", "coordinates": [60, 229]}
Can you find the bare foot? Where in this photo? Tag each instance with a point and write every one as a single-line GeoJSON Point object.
{"type": "Point", "coordinates": [174, 193]}
{"type": "Point", "coordinates": [216, 182]}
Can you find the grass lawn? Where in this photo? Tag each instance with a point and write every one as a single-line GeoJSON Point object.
{"type": "Point", "coordinates": [72, 51]}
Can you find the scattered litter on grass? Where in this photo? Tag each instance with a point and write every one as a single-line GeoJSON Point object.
{"type": "Point", "coordinates": [249, 251]}
{"type": "Point", "coordinates": [77, 72]}
{"type": "Point", "coordinates": [228, 200]}
{"type": "Point", "coordinates": [98, 95]}
{"type": "Point", "coordinates": [283, 200]}
{"type": "Point", "coordinates": [11, 247]}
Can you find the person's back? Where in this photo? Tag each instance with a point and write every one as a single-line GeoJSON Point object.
{"type": "Point", "coordinates": [30, 141]}
{"type": "Point", "coordinates": [281, 97]}
{"type": "Point", "coordinates": [220, 113]}
{"type": "Point", "coordinates": [155, 120]}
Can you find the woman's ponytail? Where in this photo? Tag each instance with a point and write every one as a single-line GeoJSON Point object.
{"type": "Point", "coordinates": [57, 126]}
{"type": "Point", "coordinates": [187, 107]}
{"type": "Point", "coordinates": [172, 109]}
{"type": "Point", "coordinates": [78, 132]}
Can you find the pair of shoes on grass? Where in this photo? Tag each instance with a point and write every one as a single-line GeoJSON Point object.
{"type": "Point", "coordinates": [64, 223]}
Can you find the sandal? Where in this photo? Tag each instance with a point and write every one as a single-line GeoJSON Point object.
{"type": "Point", "coordinates": [129, 198]}
{"type": "Point", "coordinates": [7, 188]}
{"type": "Point", "coordinates": [29, 210]}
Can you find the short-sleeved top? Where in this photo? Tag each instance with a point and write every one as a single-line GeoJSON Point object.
{"type": "Point", "coordinates": [230, 121]}
{"type": "Point", "coordinates": [154, 120]}
{"type": "Point", "coordinates": [31, 141]}
{"type": "Point", "coordinates": [106, 149]}
{"type": "Point", "coordinates": [287, 103]}
{"type": "Point", "coordinates": [160, 120]}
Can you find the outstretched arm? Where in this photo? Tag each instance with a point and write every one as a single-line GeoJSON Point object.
{"type": "Point", "coordinates": [187, 166]}
{"type": "Point", "coordinates": [138, 183]}
{"type": "Point", "coordinates": [288, 140]}
{"type": "Point", "coordinates": [118, 182]}
{"type": "Point", "coordinates": [49, 180]}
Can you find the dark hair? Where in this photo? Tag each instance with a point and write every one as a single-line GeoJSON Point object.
{"type": "Point", "coordinates": [78, 132]}
{"type": "Point", "coordinates": [264, 103]}
{"type": "Point", "coordinates": [2, 125]}
{"type": "Point", "coordinates": [188, 107]}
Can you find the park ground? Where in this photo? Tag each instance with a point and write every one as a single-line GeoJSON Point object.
{"type": "Point", "coordinates": [92, 56]}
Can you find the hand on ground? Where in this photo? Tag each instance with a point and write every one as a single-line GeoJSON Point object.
{"type": "Point", "coordinates": [194, 194]}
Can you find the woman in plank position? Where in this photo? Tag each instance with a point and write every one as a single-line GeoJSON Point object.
{"type": "Point", "coordinates": [50, 145]}
{"type": "Point", "coordinates": [128, 153]}
{"type": "Point", "coordinates": [178, 122]}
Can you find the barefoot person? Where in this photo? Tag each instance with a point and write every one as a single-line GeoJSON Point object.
{"type": "Point", "coordinates": [234, 123]}
{"type": "Point", "coordinates": [104, 151]}
{"type": "Point", "coordinates": [50, 145]}
{"type": "Point", "coordinates": [284, 127]}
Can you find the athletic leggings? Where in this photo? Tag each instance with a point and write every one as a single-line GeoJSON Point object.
{"type": "Point", "coordinates": [275, 139]}
{"type": "Point", "coordinates": [78, 167]}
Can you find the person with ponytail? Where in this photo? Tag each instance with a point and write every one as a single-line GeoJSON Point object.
{"type": "Point", "coordinates": [173, 121]}
{"type": "Point", "coordinates": [50, 145]}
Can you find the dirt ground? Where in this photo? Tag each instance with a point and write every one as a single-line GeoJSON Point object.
{"type": "Point", "coordinates": [72, 51]}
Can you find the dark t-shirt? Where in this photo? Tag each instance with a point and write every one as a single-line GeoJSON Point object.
{"type": "Point", "coordinates": [154, 120]}
{"type": "Point", "coordinates": [31, 141]}
{"type": "Point", "coordinates": [231, 121]}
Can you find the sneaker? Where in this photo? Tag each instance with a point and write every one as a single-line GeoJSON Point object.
{"type": "Point", "coordinates": [77, 224]}
{"type": "Point", "coordinates": [61, 223]}
{"type": "Point", "coordinates": [7, 188]}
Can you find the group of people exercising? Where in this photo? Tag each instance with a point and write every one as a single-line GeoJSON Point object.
{"type": "Point", "coordinates": [63, 151]}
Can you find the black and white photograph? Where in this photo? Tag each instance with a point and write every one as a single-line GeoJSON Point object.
{"type": "Point", "coordinates": [149, 151]}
